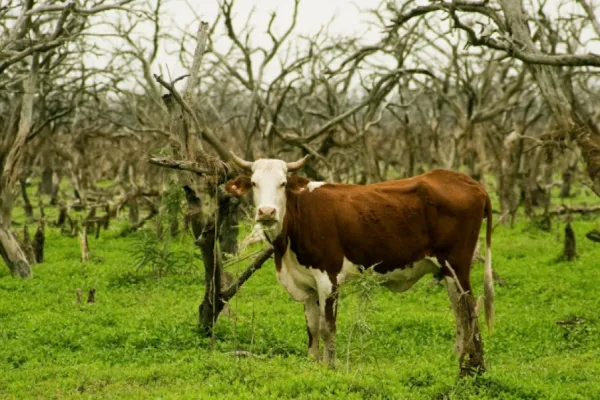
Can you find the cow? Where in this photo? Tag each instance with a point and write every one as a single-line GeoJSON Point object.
{"type": "Point", "coordinates": [323, 233]}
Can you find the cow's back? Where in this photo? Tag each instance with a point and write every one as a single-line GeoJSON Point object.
{"type": "Point", "coordinates": [388, 224]}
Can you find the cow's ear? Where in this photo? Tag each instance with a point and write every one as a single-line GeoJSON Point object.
{"type": "Point", "coordinates": [296, 183]}
{"type": "Point", "coordinates": [238, 186]}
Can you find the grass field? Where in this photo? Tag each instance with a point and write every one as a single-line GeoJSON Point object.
{"type": "Point", "coordinates": [140, 340]}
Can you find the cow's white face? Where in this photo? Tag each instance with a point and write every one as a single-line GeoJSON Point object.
{"type": "Point", "coordinates": [268, 180]}
{"type": "Point", "coordinates": [268, 184]}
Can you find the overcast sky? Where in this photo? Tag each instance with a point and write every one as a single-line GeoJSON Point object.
{"type": "Point", "coordinates": [312, 16]}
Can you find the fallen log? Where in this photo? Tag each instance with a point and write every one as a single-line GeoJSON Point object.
{"type": "Point", "coordinates": [563, 210]}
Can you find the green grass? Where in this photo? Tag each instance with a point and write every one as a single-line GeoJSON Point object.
{"type": "Point", "coordinates": [140, 339]}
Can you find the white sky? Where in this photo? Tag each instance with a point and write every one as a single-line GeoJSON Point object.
{"type": "Point", "coordinates": [312, 16]}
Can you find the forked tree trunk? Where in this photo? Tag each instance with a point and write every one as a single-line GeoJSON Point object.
{"type": "Point", "coordinates": [204, 233]}
{"type": "Point", "coordinates": [205, 230]}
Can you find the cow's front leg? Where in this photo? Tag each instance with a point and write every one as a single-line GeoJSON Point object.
{"type": "Point", "coordinates": [312, 314]}
{"type": "Point", "coordinates": [328, 306]}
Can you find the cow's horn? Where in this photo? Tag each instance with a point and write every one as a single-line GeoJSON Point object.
{"type": "Point", "coordinates": [296, 165]}
{"type": "Point", "coordinates": [240, 161]}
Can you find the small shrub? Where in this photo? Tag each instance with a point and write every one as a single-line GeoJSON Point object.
{"type": "Point", "coordinates": [155, 252]}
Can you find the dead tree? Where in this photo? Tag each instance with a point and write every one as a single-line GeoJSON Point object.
{"type": "Point", "coordinates": [194, 163]}
{"type": "Point", "coordinates": [572, 121]}
{"type": "Point", "coordinates": [30, 41]}
{"type": "Point", "coordinates": [9, 247]}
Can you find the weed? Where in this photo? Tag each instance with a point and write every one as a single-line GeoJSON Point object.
{"type": "Point", "coordinates": [155, 252]}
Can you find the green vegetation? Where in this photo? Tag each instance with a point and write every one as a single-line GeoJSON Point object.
{"type": "Point", "coordinates": [139, 340]}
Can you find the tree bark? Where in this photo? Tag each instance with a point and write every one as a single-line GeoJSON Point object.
{"type": "Point", "coordinates": [570, 250]}
{"type": "Point", "coordinates": [12, 254]}
{"type": "Point", "coordinates": [9, 247]}
{"type": "Point", "coordinates": [567, 180]}
{"type": "Point", "coordinates": [28, 208]}
{"type": "Point", "coordinates": [229, 228]}
{"type": "Point", "coordinates": [212, 304]}
{"type": "Point", "coordinates": [508, 175]}
{"type": "Point", "coordinates": [46, 182]}
{"type": "Point", "coordinates": [38, 243]}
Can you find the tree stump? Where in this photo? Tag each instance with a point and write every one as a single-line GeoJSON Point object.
{"type": "Point", "coordinates": [570, 250]}
{"type": "Point", "coordinates": [91, 295]}
{"type": "Point", "coordinates": [38, 243]}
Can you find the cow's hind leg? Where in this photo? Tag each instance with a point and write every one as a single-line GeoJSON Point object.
{"type": "Point", "coordinates": [312, 314]}
{"type": "Point", "coordinates": [468, 345]}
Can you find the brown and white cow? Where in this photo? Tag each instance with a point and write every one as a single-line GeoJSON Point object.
{"type": "Point", "coordinates": [404, 228]}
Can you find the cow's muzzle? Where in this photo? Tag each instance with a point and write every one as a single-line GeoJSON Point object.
{"type": "Point", "coordinates": [266, 216]}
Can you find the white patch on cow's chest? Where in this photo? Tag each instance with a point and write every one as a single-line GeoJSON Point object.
{"type": "Point", "coordinates": [300, 281]}
{"type": "Point", "coordinates": [400, 280]}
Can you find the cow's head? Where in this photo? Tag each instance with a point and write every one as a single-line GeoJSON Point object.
{"type": "Point", "coordinates": [268, 181]}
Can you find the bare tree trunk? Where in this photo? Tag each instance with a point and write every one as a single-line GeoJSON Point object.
{"type": "Point", "coordinates": [83, 244]}
{"type": "Point", "coordinates": [547, 189]}
{"type": "Point", "coordinates": [229, 230]}
{"type": "Point", "coordinates": [509, 175]}
{"type": "Point", "coordinates": [134, 210]}
{"type": "Point", "coordinates": [567, 180]}
{"type": "Point", "coordinates": [570, 250]}
{"type": "Point", "coordinates": [470, 155]}
{"type": "Point", "coordinates": [46, 181]}
{"type": "Point", "coordinates": [9, 247]}
{"type": "Point", "coordinates": [13, 255]}
{"type": "Point", "coordinates": [370, 162]}
{"type": "Point", "coordinates": [55, 188]}
{"type": "Point", "coordinates": [211, 305]}
{"type": "Point", "coordinates": [38, 243]}
{"type": "Point", "coordinates": [28, 208]}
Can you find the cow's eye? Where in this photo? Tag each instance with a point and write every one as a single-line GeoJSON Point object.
{"type": "Point", "coordinates": [253, 184]}
{"type": "Point", "coordinates": [283, 184]}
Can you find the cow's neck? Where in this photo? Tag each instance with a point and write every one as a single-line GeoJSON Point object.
{"type": "Point", "coordinates": [288, 231]}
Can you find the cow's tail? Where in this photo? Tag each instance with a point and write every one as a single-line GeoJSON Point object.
{"type": "Point", "coordinates": [488, 278]}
